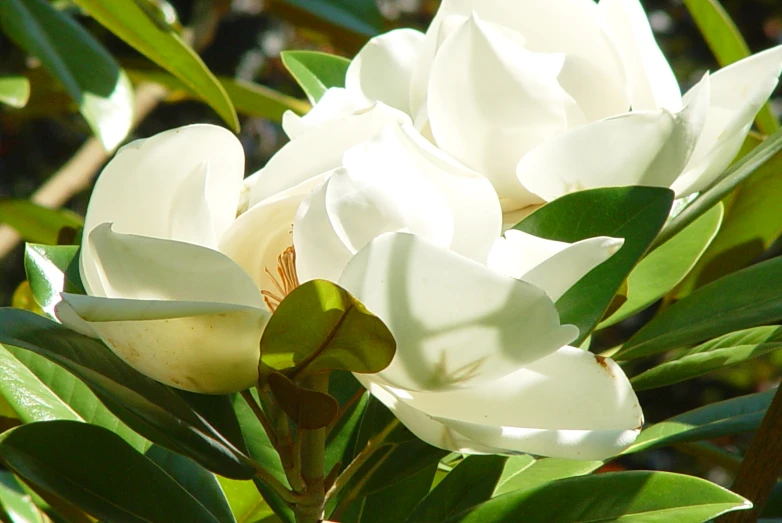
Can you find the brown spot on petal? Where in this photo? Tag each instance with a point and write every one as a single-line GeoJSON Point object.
{"type": "Point", "coordinates": [601, 360]}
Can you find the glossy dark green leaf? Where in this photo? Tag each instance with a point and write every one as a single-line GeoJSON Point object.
{"type": "Point", "coordinates": [632, 497]}
{"type": "Point", "coordinates": [471, 482]}
{"type": "Point", "coordinates": [36, 223]}
{"type": "Point", "coordinates": [633, 213]}
{"type": "Point", "coordinates": [59, 456]}
{"type": "Point", "coordinates": [192, 477]}
{"type": "Point", "coordinates": [360, 16]}
{"type": "Point", "coordinates": [157, 41]}
{"type": "Point", "coordinates": [14, 90]}
{"type": "Point", "coordinates": [247, 97]}
{"type": "Point", "coordinates": [52, 269]}
{"type": "Point", "coordinates": [87, 71]}
{"type": "Point", "coordinates": [524, 472]}
{"type": "Point", "coordinates": [344, 432]}
{"type": "Point", "coordinates": [732, 349]}
{"type": "Point", "coordinates": [727, 44]}
{"type": "Point", "coordinates": [340, 333]}
{"type": "Point", "coordinates": [664, 268]}
{"type": "Point", "coordinates": [741, 300]}
{"type": "Point", "coordinates": [316, 72]}
{"type": "Point", "coordinates": [733, 416]}
{"type": "Point", "coordinates": [146, 406]}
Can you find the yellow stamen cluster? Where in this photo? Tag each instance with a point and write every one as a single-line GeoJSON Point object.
{"type": "Point", "coordinates": [285, 281]}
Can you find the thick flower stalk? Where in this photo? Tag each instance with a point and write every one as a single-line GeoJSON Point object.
{"type": "Point", "coordinates": [546, 98]}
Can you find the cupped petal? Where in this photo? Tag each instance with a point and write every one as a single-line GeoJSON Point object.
{"type": "Point", "coordinates": [382, 70]}
{"type": "Point", "coordinates": [335, 104]}
{"type": "Point", "coordinates": [570, 404]}
{"type": "Point", "coordinates": [738, 91]}
{"type": "Point", "coordinates": [490, 101]}
{"type": "Point", "coordinates": [380, 189]}
{"type": "Point", "coordinates": [137, 189]}
{"type": "Point", "coordinates": [210, 348]}
{"type": "Point", "coordinates": [319, 150]}
{"type": "Point", "coordinates": [553, 266]}
{"type": "Point", "coordinates": [456, 322]}
{"type": "Point", "coordinates": [651, 82]}
{"type": "Point", "coordinates": [144, 268]}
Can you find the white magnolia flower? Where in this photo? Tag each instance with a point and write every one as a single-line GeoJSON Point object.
{"type": "Point", "coordinates": [546, 98]}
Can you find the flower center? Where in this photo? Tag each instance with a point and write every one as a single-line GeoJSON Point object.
{"type": "Point", "coordinates": [285, 281]}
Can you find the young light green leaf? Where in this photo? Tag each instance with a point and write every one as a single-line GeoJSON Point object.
{"type": "Point", "coordinates": [633, 213]}
{"type": "Point", "coordinates": [14, 90]}
{"type": "Point", "coordinates": [664, 268]}
{"type": "Point", "coordinates": [36, 223]}
{"type": "Point", "coordinates": [728, 46]}
{"type": "Point", "coordinates": [631, 497]}
{"type": "Point", "coordinates": [52, 269]}
{"type": "Point", "coordinates": [359, 16]}
{"type": "Point", "coordinates": [247, 504]}
{"type": "Point", "coordinates": [717, 354]}
{"type": "Point", "coordinates": [525, 472]}
{"type": "Point", "coordinates": [158, 42]}
{"type": "Point", "coordinates": [59, 456]}
{"type": "Point", "coordinates": [16, 505]}
{"type": "Point", "coordinates": [468, 484]}
{"type": "Point", "coordinates": [741, 300]}
{"type": "Point", "coordinates": [341, 333]}
{"type": "Point", "coordinates": [316, 72]}
{"type": "Point", "coordinates": [733, 416]}
{"type": "Point", "coordinates": [85, 68]}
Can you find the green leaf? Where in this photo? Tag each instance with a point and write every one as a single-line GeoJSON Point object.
{"type": "Point", "coordinates": [52, 269]}
{"type": "Point", "coordinates": [192, 477]}
{"type": "Point", "coordinates": [733, 416]}
{"type": "Point", "coordinates": [316, 72]}
{"type": "Point", "coordinates": [339, 333]}
{"type": "Point", "coordinates": [148, 407]}
{"type": "Point", "coordinates": [158, 42]}
{"type": "Point", "coordinates": [247, 97]}
{"type": "Point", "coordinates": [14, 90]}
{"type": "Point", "coordinates": [730, 179]}
{"type": "Point", "coordinates": [525, 472]}
{"type": "Point", "coordinates": [633, 213]}
{"type": "Point", "coordinates": [15, 504]}
{"type": "Point", "coordinates": [359, 16]}
{"type": "Point", "coordinates": [59, 456]}
{"type": "Point", "coordinates": [468, 484]}
{"type": "Point", "coordinates": [85, 68]}
{"type": "Point", "coordinates": [630, 497]}
{"type": "Point", "coordinates": [715, 354]}
{"type": "Point", "coordinates": [741, 300]}
{"type": "Point", "coordinates": [36, 223]}
{"type": "Point", "coordinates": [247, 504]}
{"type": "Point", "coordinates": [728, 46]}
{"type": "Point", "coordinates": [308, 409]}
{"type": "Point", "coordinates": [665, 267]}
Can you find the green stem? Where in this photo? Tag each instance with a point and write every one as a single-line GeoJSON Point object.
{"type": "Point", "coordinates": [352, 493]}
{"type": "Point", "coordinates": [312, 453]}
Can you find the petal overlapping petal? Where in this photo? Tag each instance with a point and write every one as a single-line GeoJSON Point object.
{"type": "Point", "coordinates": [335, 104]}
{"type": "Point", "coordinates": [456, 322]}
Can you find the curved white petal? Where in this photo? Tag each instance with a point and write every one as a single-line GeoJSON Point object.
{"type": "Point", "coordinates": [738, 91]}
{"type": "Point", "coordinates": [490, 101]}
{"type": "Point", "coordinates": [651, 82]}
{"type": "Point", "coordinates": [336, 103]}
{"type": "Point", "coordinates": [139, 267]}
{"type": "Point", "coordinates": [382, 70]}
{"type": "Point", "coordinates": [138, 187]}
{"type": "Point", "coordinates": [597, 94]}
{"type": "Point", "coordinates": [553, 266]}
{"type": "Point", "coordinates": [638, 148]}
{"type": "Point", "coordinates": [211, 348]}
{"type": "Point", "coordinates": [570, 404]}
{"type": "Point", "coordinates": [456, 322]}
{"type": "Point", "coordinates": [379, 190]}
{"type": "Point", "coordinates": [319, 150]}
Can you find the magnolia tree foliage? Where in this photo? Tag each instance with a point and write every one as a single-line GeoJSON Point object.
{"type": "Point", "coordinates": [391, 320]}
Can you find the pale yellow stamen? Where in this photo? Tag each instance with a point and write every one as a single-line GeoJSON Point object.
{"type": "Point", "coordinates": [285, 281]}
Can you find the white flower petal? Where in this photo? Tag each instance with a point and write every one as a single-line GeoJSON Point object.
{"type": "Point", "coordinates": [382, 70]}
{"type": "Point", "coordinates": [319, 150]}
{"type": "Point", "coordinates": [139, 267]}
{"type": "Point", "coordinates": [490, 101]}
{"type": "Point", "coordinates": [335, 104]}
{"type": "Point", "coordinates": [552, 266]}
{"type": "Point", "coordinates": [597, 94]}
{"type": "Point", "coordinates": [570, 404]}
{"type": "Point", "coordinates": [738, 91]}
{"type": "Point", "coordinates": [202, 347]}
{"type": "Point", "coordinates": [651, 82]}
{"type": "Point", "coordinates": [137, 188]}
{"type": "Point", "coordinates": [456, 322]}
